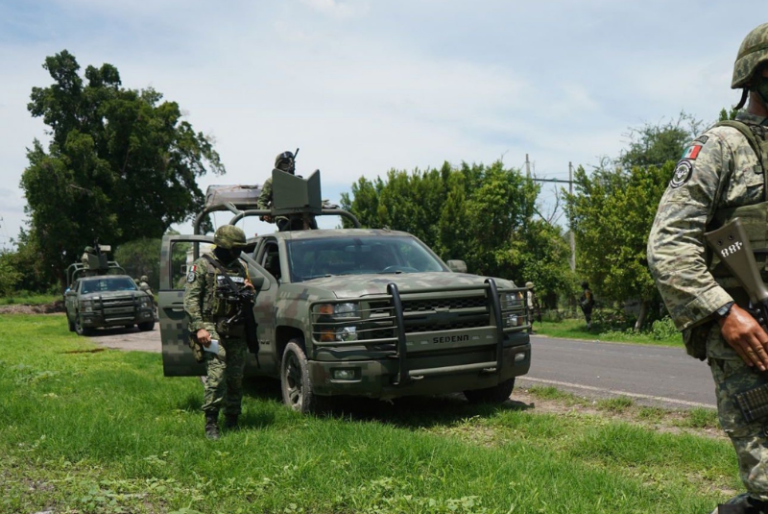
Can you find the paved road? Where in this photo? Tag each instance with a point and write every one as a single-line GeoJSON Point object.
{"type": "Point", "coordinates": [652, 375]}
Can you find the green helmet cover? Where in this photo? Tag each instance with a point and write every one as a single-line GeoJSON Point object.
{"type": "Point", "coordinates": [529, 285]}
{"type": "Point", "coordinates": [752, 53]}
{"type": "Point", "coordinates": [229, 237]}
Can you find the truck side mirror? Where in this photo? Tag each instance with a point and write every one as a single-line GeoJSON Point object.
{"type": "Point", "coordinates": [457, 266]}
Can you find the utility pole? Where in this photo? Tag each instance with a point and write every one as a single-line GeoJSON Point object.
{"type": "Point", "coordinates": [527, 167]}
{"type": "Point", "coordinates": [570, 221]}
{"type": "Point", "coordinates": [572, 238]}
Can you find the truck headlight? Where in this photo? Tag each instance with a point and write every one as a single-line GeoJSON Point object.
{"type": "Point", "coordinates": [512, 320]}
{"type": "Point", "coordinates": [146, 302]}
{"type": "Point", "coordinates": [510, 300]}
{"type": "Point", "coordinates": [346, 334]}
{"type": "Point", "coordinates": [339, 310]}
{"type": "Point", "coordinates": [87, 306]}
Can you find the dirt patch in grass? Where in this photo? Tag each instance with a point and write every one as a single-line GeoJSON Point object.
{"type": "Point", "coordinates": [45, 308]}
{"type": "Point", "coordinates": [659, 419]}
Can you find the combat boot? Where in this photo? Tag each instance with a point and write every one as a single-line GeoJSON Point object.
{"type": "Point", "coordinates": [212, 425]}
{"type": "Point", "coordinates": [742, 504]}
{"type": "Point", "coordinates": [230, 422]}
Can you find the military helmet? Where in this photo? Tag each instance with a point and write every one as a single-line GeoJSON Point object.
{"type": "Point", "coordinates": [285, 160]}
{"type": "Point", "coordinates": [529, 285]}
{"type": "Point", "coordinates": [230, 237]}
{"type": "Point", "coordinates": [144, 278]}
{"type": "Point", "coordinates": [752, 53]}
{"type": "Point", "coordinates": [89, 249]}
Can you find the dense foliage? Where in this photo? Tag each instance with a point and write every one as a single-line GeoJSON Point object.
{"type": "Point", "coordinates": [121, 163]}
{"type": "Point", "coordinates": [483, 215]}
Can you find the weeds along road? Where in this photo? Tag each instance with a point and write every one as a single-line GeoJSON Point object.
{"type": "Point", "coordinates": [650, 375]}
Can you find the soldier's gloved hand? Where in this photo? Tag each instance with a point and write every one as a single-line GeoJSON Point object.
{"type": "Point", "coordinates": [204, 337]}
{"type": "Point", "coordinates": [745, 335]}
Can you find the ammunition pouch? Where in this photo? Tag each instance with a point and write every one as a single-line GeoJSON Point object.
{"type": "Point", "coordinates": [753, 403]}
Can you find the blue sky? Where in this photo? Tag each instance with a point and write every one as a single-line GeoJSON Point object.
{"type": "Point", "coordinates": [362, 86]}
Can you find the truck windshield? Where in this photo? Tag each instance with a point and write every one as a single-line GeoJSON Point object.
{"type": "Point", "coordinates": [361, 255]}
{"type": "Point", "coordinates": [97, 285]}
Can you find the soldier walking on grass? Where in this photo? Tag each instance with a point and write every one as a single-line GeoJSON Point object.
{"type": "Point", "coordinates": [208, 315]}
{"type": "Point", "coordinates": [722, 175]}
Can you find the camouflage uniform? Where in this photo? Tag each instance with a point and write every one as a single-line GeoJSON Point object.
{"type": "Point", "coordinates": [223, 386]}
{"type": "Point", "coordinates": [719, 172]}
{"type": "Point", "coordinates": [284, 162]}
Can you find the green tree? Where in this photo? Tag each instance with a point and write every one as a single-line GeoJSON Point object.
{"type": "Point", "coordinates": [141, 257]}
{"type": "Point", "coordinates": [483, 215]}
{"type": "Point", "coordinates": [655, 145]}
{"type": "Point", "coordinates": [121, 165]}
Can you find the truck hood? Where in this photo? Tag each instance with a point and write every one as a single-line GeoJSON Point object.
{"type": "Point", "coordinates": [355, 286]}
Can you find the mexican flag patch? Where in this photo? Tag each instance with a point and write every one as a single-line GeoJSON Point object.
{"type": "Point", "coordinates": [691, 152]}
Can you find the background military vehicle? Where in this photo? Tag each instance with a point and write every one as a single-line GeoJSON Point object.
{"type": "Point", "coordinates": [355, 311]}
{"type": "Point", "coordinates": [100, 294]}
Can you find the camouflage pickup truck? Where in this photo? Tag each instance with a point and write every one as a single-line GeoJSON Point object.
{"type": "Point", "coordinates": [360, 312]}
{"type": "Point", "coordinates": [100, 295]}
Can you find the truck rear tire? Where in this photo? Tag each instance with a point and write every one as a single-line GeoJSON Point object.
{"type": "Point", "coordinates": [146, 326]}
{"type": "Point", "coordinates": [496, 394]}
{"type": "Point", "coordinates": [294, 380]}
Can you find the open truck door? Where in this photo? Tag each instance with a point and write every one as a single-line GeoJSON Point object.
{"type": "Point", "coordinates": [176, 257]}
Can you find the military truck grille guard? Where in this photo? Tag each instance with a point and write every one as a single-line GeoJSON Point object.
{"type": "Point", "coordinates": [117, 309]}
{"type": "Point", "coordinates": [384, 321]}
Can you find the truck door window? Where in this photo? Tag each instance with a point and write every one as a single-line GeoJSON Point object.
{"type": "Point", "coordinates": [270, 261]}
{"type": "Point", "coordinates": [181, 262]}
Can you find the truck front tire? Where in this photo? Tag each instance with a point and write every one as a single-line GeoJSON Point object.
{"type": "Point", "coordinates": [496, 394]}
{"type": "Point", "coordinates": [146, 326]}
{"type": "Point", "coordinates": [294, 380]}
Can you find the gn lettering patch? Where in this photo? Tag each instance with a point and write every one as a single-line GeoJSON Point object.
{"type": "Point", "coordinates": [682, 173]}
{"type": "Point", "coordinates": [191, 277]}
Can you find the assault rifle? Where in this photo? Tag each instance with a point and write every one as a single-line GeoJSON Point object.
{"type": "Point", "coordinates": [731, 244]}
{"type": "Point", "coordinates": [243, 299]}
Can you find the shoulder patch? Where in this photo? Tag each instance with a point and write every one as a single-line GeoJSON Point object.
{"type": "Point", "coordinates": [191, 275]}
{"type": "Point", "coordinates": [701, 139]}
{"type": "Point", "coordinates": [691, 152]}
{"type": "Point", "coordinates": [682, 173]}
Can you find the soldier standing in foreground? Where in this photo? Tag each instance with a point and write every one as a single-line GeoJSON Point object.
{"type": "Point", "coordinates": [534, 311]}
{"type": "Point", "coordinates": [722, 175]}
{"type": "Point", "coordinates": [208, 315]}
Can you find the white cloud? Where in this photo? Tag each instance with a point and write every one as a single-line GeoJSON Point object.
{"type": "Point", "coordinates": [365, 86]}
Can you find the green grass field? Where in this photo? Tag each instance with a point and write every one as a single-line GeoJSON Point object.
{"type": "Point", "coordinates": [577, 329]}
{"type": "Point", "coordinates": [86, 430]}
{"type": "Point", "coordinates": [29, 299]}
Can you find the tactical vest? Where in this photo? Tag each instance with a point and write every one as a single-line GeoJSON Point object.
{"type": "Point", "coordinates": [754, 217]}
{"type": "Point", "coordinates": [215, 310]}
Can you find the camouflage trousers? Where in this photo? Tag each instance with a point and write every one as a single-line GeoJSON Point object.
{"type": "Point", "coordinates": [750, 440]}
{"type": "Point", "coordinates": [224, 384]}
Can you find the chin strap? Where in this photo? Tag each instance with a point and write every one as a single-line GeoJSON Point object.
{"type": "Point", "coordinates": [744, 95]}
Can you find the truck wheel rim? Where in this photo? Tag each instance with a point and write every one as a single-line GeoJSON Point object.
{"type": "Point", "coordinates": [293, 380]}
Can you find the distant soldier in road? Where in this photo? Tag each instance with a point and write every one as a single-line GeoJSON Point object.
{"type": "Point", "coordinates": [209, 313]}
{"type": "Point", "coordinates": [721, 176]}
{"type": "Point", "coordinates": [144, 285]}
{"type": "Point", "coordinates": [587, 303]}
{"type": "Point", "coordinates": [532, 302]}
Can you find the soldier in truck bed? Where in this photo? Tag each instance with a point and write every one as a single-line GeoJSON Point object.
{"type": "Point", "coordinates": [285, 162]}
